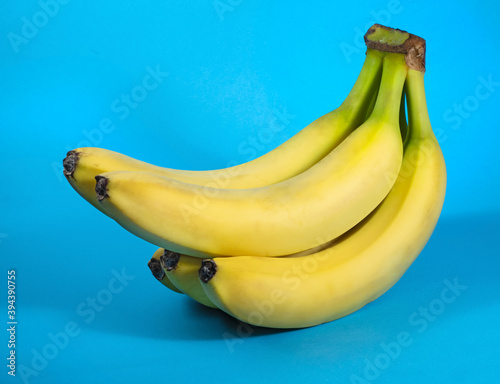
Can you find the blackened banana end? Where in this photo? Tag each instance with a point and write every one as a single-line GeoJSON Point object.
{"type": "Point", "coordinates": [69, 163]}
{"type": "Point", "coordinates": [156, 269]}
{"type": "Point", "coordinates": [169, 260]}
{"type": "Point", "coordinates": [101, 187]}
{"type": "Point", "coordinates": [207, 270]}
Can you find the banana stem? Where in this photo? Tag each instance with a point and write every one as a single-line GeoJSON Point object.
{"type": "Point", "coordinates": [393, 40]}
{"type": "Point", "coordinates": [397, 42]}
{"type": "Point", "coordinates": [365, 85]}
{"type": "Point", "coordinates": [418, 116]}
{"type": "Point", "coordinates": [388, 101]}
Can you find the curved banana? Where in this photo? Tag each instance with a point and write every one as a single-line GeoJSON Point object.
{"type": "Point", "coordinates": [362, 265]}
{"type": "Point", "coordinates": [158, 272]}
{"type": "Point", "coordinates": [292, 157]}
{"type": "Point", "coordinates": [294, 215]}
{"type": "Point", "coordinates": [182, 271]}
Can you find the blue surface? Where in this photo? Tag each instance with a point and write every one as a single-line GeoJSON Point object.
{"type": "Point", "coordinates": [223, 69]}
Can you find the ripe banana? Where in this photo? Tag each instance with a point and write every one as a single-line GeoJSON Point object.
{"type": "Point", "coordinates": [321, 203]}
{"type": "Point", "coordinates": [362, 265]}
{"type": "Point", "coordinates": [292, 157]}
{"type": "Point", "coordinates": [158, 272]}
{"type": "Point", "coordinates": [182, 271]}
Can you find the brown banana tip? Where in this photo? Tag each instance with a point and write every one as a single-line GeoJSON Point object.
{"type": "Point", "coordinates": [386, 39]}
{"type": "Point", "coordinates": [207, 270]}
{"type": "Point", "coordinates": [156, 269]}
{"type": "Point", "coordinates": [101, 187]}
{"type": "Point", "coordinates": [169, 260]}
{"type": "Point", "coordinates": [69, 163]}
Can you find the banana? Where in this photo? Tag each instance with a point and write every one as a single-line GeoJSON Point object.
{"type": "Point", "coordinates": [157, 271]}
{"type": "Point", "coordinates": [182, 271]}
{"type": "Point", "coordinates": [292, 157]}
{"type": "Point", "coordinates": [294, 215]}
{"type": "Point", "coordinates": [362, 265]}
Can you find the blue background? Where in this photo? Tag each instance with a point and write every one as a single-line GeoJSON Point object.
{"type": "Point", "coordinates": [232, 66]}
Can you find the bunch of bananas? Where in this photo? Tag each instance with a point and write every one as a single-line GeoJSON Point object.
{"type": "Point", "coordinates": [309, 232]}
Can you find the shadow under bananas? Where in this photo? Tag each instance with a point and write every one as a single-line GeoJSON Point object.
{"type": "Point", "coordinates": [461, 248]}
{"type": "Point", "coordinates": [176, 317]}
{"type": "Point", "coordinates": [228, 324]}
